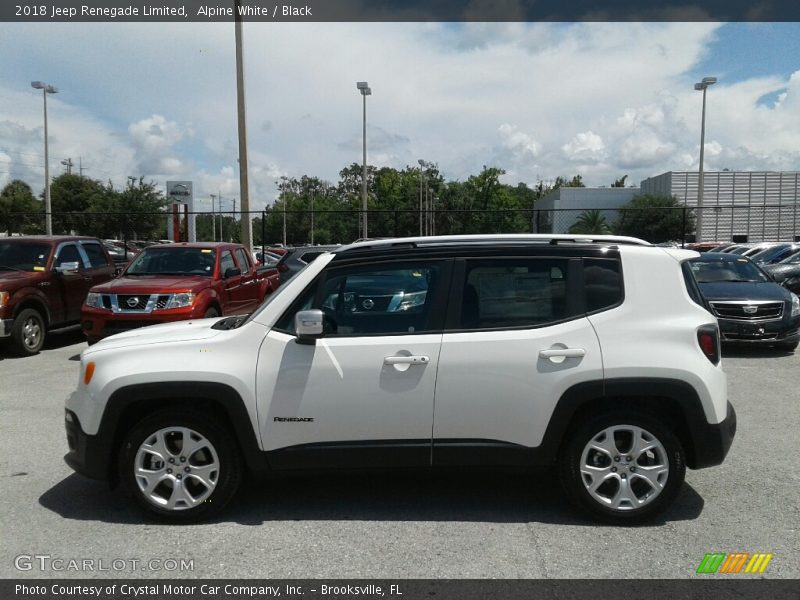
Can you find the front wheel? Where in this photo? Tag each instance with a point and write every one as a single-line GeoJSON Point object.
{"type": "Point", "coordinates": [622, 467]}
{"type": "Point", "coordinates": [180, 467]}
{"type": "Point", "coordinates": [211, 313]}
{"type": "Point", "coordinates": [28, 332]}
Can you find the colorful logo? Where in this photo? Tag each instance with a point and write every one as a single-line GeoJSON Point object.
{"type": "Point", "coordinates": [735, 562]}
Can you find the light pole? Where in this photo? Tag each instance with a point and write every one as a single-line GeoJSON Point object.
{"type": "Point", "coordinates": [421, 193]}
{"type": "Point", "coordinates": [283, 190]}
{"type": "Point", "coordinates": [365, 90]}
{"type": "Point", "coordinates": [46, 89]}
{"type": "Point", "coordinates": [213, 219]}
{"type": "Point", "coordinates": [702, 86]}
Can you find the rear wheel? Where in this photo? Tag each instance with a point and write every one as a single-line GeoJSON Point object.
{"type": "Point", "coordinates": [180, 467]}
{"type": "Point", "coordinates": [28, 332]}
{"type": "Point", "coordinates": [623, 467]}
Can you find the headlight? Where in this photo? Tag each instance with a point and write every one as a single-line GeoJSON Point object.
{"type": "Point", "coordinates": [94, 300]}
{"type": "Point", "coordinates": [795, 306]}
{"type": "Point", "coordinates": [181, 300]}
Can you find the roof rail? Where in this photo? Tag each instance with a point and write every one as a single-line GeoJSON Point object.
{"type": "Point", "coordinates": [444, 240]}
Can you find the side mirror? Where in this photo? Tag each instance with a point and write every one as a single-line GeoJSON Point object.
{"type": "Point", "coordinates": [68, 267]}
{"type": "Point", "coordinates": [232, 272]}
{"type": "Point", "coordinates": [308, 326]}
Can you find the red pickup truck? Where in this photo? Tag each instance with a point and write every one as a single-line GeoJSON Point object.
{"type": "Point", "coordinates": [43, 283]}
{"type": "Point", "coordinates": [173, 282]}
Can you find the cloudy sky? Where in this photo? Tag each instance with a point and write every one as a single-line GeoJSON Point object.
{"type": "Point", "coordinates": [539, 100]}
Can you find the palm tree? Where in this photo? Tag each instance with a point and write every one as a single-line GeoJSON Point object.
{"type": "Point", "coordinates": [591, 221]}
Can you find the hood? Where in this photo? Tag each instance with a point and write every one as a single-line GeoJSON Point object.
{"type": "Point", "coordinates": [13, 280]}
{"type": "Point", "coordinates": [153, 284]}
{"type": "Point", "coordinates": [740, 290]}
{"type": "Point", "coordinates": [180, 331]}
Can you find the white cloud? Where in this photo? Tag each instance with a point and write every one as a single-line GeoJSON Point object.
{"type": "Point", "coordinates": [539, 100]}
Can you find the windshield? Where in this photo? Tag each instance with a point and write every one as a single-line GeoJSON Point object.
{"type": "Point", "coordinates": [792, 259]}
{"type": "Point", "coordinates": [173, 261]}
{"type": "Point", "coordinates": [719, 271]}
{"type": "Point", "coordinates": [23, 256]}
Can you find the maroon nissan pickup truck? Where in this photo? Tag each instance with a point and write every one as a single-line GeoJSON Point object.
{"type": "Point", "coordinates": [174, 282]}
{"type": "Point", "coordinates": [43, 283]}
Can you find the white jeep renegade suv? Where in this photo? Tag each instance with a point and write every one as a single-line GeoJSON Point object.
{"type": "Point", "coordinates": [594, 354]}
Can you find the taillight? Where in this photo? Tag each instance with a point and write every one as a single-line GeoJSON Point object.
{"type": "Point", "coordinates": [708, 339]}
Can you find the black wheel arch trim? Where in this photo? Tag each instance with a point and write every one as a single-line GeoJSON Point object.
{"type": "Point", "coordinates": [705, 444]}
{"type": "Point", "coordinates": [134, 401]}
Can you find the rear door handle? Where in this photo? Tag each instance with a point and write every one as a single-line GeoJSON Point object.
{"type": "Point", "coordinates": [562, 353]}
{"type": "Point", "coordinates": [406, 360]}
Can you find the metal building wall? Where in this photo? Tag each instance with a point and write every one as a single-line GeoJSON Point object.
{"type": "Point", "coordinates": [763, 205]}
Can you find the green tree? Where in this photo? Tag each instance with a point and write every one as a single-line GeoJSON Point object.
{"type": "Point", "coordinates": [654, 218]}
{"type": "Point", "coordinates": [70, 197]}
{"type": "Point", "coordinates": [20, 212]}
{"type": "Point", "coordinates": [142, 206]}
{"type": "Point", "coordinates": [619, 183]}
{"type": "Point", "coordinates": [591, 222]}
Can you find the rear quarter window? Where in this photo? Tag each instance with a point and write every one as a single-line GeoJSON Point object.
{"type": "Point", "coordinates": [602, 279]}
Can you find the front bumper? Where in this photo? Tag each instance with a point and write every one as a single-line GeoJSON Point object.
{"type": "Point", "coordinates": [767, 332]}
{"type": "Point", "coordinates": [100, 323]}
{"type": "Point", "coordinates": [89, 455]}
{"type": "Point", "coordinates": [712, 442]}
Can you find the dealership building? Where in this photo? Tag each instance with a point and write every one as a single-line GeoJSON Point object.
{"type": "Point", "coordinates": [557, 211]}
{"type": "Point", "coordinates": [743, 206]}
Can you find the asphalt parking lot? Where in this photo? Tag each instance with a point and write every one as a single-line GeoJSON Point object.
{"type": "Point", "coordinates": [399, 526]}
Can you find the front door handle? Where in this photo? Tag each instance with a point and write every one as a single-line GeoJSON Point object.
{"type": "Point", "coordinates": [562, 353]}
{"type": "Point", "coordinates": [406, 360]}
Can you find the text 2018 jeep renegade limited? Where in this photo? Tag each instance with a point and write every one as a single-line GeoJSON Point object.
{"type": "Point", "coordinates": [595, 355]}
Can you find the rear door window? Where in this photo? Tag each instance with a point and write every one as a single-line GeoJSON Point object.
{"type": "Point", "coordinates": [97, 258]}
{"type": "Point", "coordinates": [515, 292]}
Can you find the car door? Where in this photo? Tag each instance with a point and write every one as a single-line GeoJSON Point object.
{"type": "Point", "coordinates": [100, 268]}
{"type": "Point", "coordinates": [363, 394]}
{"type": "Point", "coordinates": [516, 339]}
{"type": "Point", "coordinates": [250, 293]}
{"type": "Point", "coordinates": [73, 284]}
{"type": "Point", "coordinates": [232, 285]}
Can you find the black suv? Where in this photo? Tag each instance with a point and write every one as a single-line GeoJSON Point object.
{"type": "Point", "coordinates": [749, 305]}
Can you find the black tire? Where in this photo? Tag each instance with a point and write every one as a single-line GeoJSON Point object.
{"type": "Point", "coordinates": [28, 332]}
{"type": "Point", "coordinates": [787, 347]}
{"type": "Point", "coordinates": [573, 481]}
{"type": "Point", "coordinates": [211, 313]}
{"type": "Point", "coordinates": [218, 437]}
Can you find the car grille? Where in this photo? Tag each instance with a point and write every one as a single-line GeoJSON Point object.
{"type": "Point", "coordinates": [748, 311]}
{"type": "Point", "coordinates": [124, 301]}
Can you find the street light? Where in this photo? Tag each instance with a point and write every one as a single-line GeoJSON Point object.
{"type": "Point", "coordinates": [421, 177]}
{"type": "Point", "coordinates": [213, 219]}
{"type": "Point", "coordinates": [365, 90]}
{"type": "Point", "coordinates": [702, 86]}
{"type": "Point", "coordinates": [46, 89]}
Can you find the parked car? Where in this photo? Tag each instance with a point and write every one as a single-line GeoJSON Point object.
{"type": "Point", "coordinates": [787, 272]}
{"type": "Point", "coordinates": [43, 283]}
{"type": "Point", "coordinates": [749, 305]}
{"type": "Point", "coordinates": [593, 355]}
{"type": "Point", "coordinates": [704, 246]}
{"type": "Point", "coordinates": [297, 258]}
{"type": "Point", "coordinates": [722, 247]}
{"type": "Point", "coordinates": [173, 282]}
{"type": "Point", "coordinates": [775, 253]}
